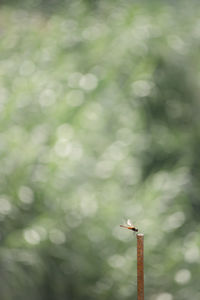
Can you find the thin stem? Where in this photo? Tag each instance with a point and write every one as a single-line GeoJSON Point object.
{"type": "Point", "coordinates": [140, 266]}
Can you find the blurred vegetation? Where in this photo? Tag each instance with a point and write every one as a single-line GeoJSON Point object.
{"type": "Point", "coordinates": [99, 104]}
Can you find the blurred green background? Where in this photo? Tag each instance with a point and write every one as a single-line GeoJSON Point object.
{"type": "Point", "coordinates": [99, 106]}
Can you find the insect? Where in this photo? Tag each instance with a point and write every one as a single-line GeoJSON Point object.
{"type": "Point", "coordinates": [130, 226]}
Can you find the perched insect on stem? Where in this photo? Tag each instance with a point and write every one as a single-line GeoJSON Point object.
{"type": "Point", "coordinates": [130, 226]}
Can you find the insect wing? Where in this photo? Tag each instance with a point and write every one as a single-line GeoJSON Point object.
{"type": "Point", "coordinates": [129, 223]}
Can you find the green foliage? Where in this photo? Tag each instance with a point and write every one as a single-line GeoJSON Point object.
{"type": "Point", "coordinates": [99, 122]}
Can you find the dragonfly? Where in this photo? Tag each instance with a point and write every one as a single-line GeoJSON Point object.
{"type": "Point", "coordinates": [130, 226]}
